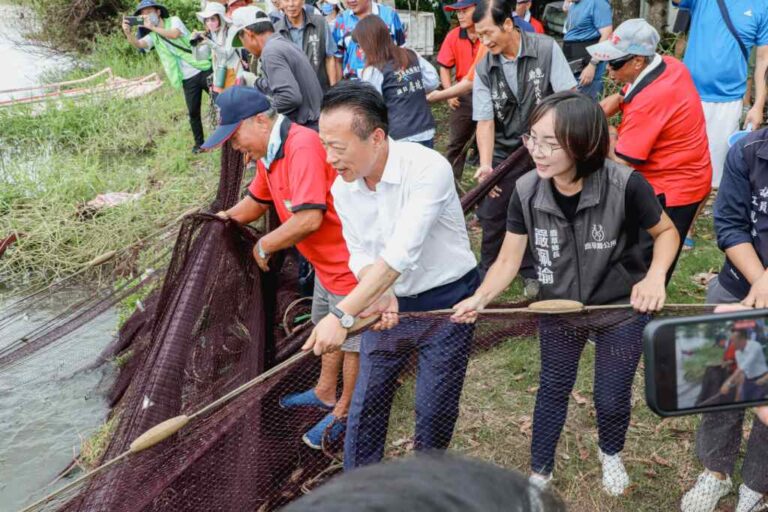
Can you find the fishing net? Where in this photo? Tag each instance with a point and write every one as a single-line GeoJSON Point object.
{"type": "Point", "coordinates": [517, 388]}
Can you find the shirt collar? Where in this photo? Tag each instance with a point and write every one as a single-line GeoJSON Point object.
{"type": "Point", "coordinates": [649, 72]}
{"type": "Point", "coordinates": [374, 10]}
{"type": "Point", "coordinates": [277, 137]}
{"type": "Point", "coordinates": [544, 199]}
{"type": "Point", "coordinates": [393, 171]}
{"type": "Point", "coordinates": [526, 50]}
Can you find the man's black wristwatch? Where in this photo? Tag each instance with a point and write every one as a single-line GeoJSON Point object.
{"type": "Point", "coordinates": [347, 321]}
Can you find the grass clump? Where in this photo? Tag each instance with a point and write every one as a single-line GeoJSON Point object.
{"type": "Point", "coordinates": [54, 162]}
{"type": "Point", "coordinates": [92, 448]}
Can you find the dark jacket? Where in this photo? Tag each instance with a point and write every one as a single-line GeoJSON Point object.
{"type": "Point", "coordinates": [741, 207]}
{"type": "Point", "coordinates": [290, 80]}
{"type": "Point", "coordinates": [314, 42]}
{"type": "Point", "coordinates": [586, 260]}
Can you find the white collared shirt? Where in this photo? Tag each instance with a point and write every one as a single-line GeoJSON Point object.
{"type": "Point", "coordinates": [413, 220]}
{"type": "Point", "coordinates": [751, 360]}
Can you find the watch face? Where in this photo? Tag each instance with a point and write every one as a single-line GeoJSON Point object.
{"type": "Point", "coordinates": [347, 321]}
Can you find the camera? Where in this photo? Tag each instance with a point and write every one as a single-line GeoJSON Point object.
{"type": "Point", "coordinates": [134, 21]}
{"type": "Point", "coordinates": [196, 40]}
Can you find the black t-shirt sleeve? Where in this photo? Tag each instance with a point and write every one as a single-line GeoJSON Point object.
{"type": "Point", "coordinates": [641, 202]}
{"type": "Point", "coordinates": [515, 219]}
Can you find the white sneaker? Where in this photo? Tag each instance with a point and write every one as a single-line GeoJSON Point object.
{"type": "Point", "coordinates": [703, 497]}
{"type": "Point", "coordinates": [537, 485]}
{"type": "Point", "coordinates": [615, 477]}
{"type": "Point", "coordinates": [749, 500]}
{"type": "Point", "coordinates": [541, 482]}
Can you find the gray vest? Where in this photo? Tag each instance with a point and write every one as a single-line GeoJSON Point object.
{"type": "Point", "coordinates": [408, 111]}
{"type": "Point", "coordinates": [586, 260]}
{"type": "Point", "coordinates": [314, 42]}
{"type": "Point", "coordinates": [511, 113]}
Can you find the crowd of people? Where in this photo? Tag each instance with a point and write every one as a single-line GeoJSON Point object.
{"type": "Point", "coordinates": [334, 109]}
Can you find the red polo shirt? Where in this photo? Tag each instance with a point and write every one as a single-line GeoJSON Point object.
{"type": "Point", "coordinates": [300, 179]}
{"type": "Point", "coordinates": [458, 51]}
{"type": "Point", "coordinates": [663, 134]}
{"type": "Point", "coordinates": [537, 26]}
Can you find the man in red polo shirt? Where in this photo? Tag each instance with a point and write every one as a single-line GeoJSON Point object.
{"type": "Point", "coordinates": [662, 132]}
{"type": "Point", "coordinates": [292, 174]}
{"type": "Point", "coordinates": [458, 52]}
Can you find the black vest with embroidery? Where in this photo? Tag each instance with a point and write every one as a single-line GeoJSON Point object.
{"type": "Point", "coordinates": [511, 113]}
{"type": "Point", "coordinates": [313, 42]}
{"type": "Point", "coordinates": [408, 110]}
{"type": "Point", "coordinates": [589, 259]}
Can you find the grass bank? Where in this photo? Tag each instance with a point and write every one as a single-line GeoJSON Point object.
{"type": "Point", "coordinates": [54, 162]}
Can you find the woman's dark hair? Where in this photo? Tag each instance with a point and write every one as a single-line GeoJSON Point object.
{"type": "Point", "coordinates": [500, 11]}
{"type": "Point", "coordinates": [372, 35]}
{"type": "Point", "coordinates": [364, 100]}
{"type": "Point", "coordinates": [580, 128]}
{"type": "Point", "coordinates": [263, 24]}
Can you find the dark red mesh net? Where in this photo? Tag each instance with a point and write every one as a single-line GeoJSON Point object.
{"type": "Point", "coordinates": [218, 322]}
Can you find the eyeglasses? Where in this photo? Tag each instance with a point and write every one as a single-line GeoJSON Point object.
{"type": "Point", "coordinates": [545, 148]}
{"type": "Point", "coordinates": [617, 64]}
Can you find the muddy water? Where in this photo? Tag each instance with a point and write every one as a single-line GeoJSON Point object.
{"type": "Point", "coordinates": [49, 402]}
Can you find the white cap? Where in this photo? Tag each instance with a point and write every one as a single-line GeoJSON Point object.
{"type": "Point", "coordinates": [633, 37]}
{"type": "Point", "coordinates": [213, 9]}
{"type": "Point", "coordinates": [241, 18]}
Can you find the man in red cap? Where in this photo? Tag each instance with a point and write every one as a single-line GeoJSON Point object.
{"type": "Point", "coordinates": [292, 174]}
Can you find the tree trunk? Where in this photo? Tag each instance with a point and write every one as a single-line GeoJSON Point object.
{"type": "Point", "coordinates": [657, 15]}
{"type": "Point", "coordinates": [624, 10]}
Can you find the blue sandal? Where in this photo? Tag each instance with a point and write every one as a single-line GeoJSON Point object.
{"type": "Point", "coordinates": [306, 398]}
{"type": "Point", "coordinates": [329, 429]}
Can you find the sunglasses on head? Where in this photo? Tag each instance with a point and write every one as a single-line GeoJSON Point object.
{"type": "Point", "coordinates": [616, 64]}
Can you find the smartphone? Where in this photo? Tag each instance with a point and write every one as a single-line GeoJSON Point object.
{"type": "Point", "coordinates": [706, 363]}
{"type": "Point", "coordinates": [134, 21]}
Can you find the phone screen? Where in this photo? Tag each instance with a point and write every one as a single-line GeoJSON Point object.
{"type": "Point", "coordinates": [710, 363]}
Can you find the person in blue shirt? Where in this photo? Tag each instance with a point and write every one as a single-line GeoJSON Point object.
{"type": "Point", "coordinates": [350, 54]}
{"type": "Point", "coordinates": [741, 223]}
{"type": "Point", "coordinates": [720, 70]}
{"type": "Point", "coordinates": [589, 22]}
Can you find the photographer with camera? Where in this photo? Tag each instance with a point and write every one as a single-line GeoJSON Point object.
{"type": "Point", "coordinates": [168, 35]}
{"type": "Point", "coordinates": [212, 43]}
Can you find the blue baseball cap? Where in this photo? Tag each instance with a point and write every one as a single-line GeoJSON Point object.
{"type": "Point", "coordinates": [151, 3]}
{"type": "Point", "coordinates": [236, 104]}
{"type": "Point", "coordinates": [460, 5]}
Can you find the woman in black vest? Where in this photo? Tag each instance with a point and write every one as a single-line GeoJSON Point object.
{"type": "Point", "coordinates": [580, 214]}
{"type": "Point", "coordinates": [402, 77]}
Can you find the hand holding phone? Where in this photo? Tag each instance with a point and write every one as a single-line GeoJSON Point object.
{"type": "Point", "coordinates": [708, 363]}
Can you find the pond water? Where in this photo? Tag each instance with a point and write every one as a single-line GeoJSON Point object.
{"type": "Point", "coordinates": [50, 401]}
{"type": "Point", "coordinates": [24, 62]}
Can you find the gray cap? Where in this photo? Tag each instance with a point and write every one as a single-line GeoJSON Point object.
{"type": "Point", "coordinates": [633, 37]}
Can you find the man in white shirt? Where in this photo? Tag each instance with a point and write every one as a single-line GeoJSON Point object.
{"type": "Point", "coordinates": [408, 245]}
{"type": "Point", "coordinates": [751, 369]}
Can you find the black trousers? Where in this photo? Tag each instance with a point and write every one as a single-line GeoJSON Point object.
{"type": "Point", "coordinates": [193, 96]}
{"type": "Point", "coordinates": [492, 214]}
{"type": "Point", "coordinates": [462, 127]}
{"type": "Point", "coordinates": [682, 217]}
